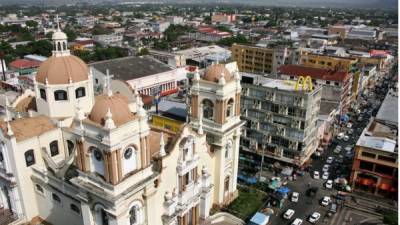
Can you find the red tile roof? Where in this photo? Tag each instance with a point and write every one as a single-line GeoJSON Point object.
{"type": "Point", "coordinates": [315, 73]}
{"type": "Point", "coordinates": [24, 64]}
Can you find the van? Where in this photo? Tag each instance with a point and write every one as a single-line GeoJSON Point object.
{"type": "Point", "coordinates": [333, 208]}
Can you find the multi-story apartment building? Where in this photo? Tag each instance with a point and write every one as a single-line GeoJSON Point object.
{"type": "Point", "coordinates": [263, 60]}
{"type": "Point", "coordinates": [336, 85]}
{"type": "Point", "coordinates": [280, 119]}
{"type": "Point", "coordinates": [174, 60]}
{"type": "Point", "coordinates": [375, 165]}
{"type": "Point", "coordinates": [109, 39]}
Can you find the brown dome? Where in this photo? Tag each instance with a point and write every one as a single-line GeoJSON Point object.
{"type": "Point", "coordinates": [118, 105]}
{"type": "Point", "coordinates": [213, 73]}
{"type": "Point", "coordinates": [58, 70]}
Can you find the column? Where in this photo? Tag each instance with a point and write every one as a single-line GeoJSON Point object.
{"type": "Point", "coordinates": [16, 202]}
{"type": "Point", "coordinates": [86, 214]}
{"type": "Point", "coordinates": [195, 106]}
{"type": "Point", "coordinates": [205, 196]}
{"type": "Point", "coordinates": [3, 199]}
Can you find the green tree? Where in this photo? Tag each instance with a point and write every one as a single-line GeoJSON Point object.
{"type": "Point", "coordinates": [86, 56]}
{"type": "Point", "coordinates": [390, 219]}
{"type": "Point", "coordinates": [70, 34]}
{"type": "Point", "coordinates": [239, 39]}
{"type": "Point", "coordinates": [143, 51]}
{"type": "Point", "coordinates": [223, 28]}
{"type": "Point", "coordinates": [31, 23]}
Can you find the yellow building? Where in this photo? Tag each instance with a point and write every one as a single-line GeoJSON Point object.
{"type": "Point", "coordinates": [167, 123]}
{"type": "Point", "coordinates": [327, 62]}
{"type": "Point", "coordinates": [253, 59]}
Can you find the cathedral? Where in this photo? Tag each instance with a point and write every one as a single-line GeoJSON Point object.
{"type": "Point", "coordinates": [81, 159]}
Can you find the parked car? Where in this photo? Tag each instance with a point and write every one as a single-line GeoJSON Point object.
{"type": "Point", "coordinates": [325, 168]}
{"type": "Point", "coordinates": [316, 175]}
{"type": "Point", "coordinates": [288, 214]}
{"type": "Point", "coordinates": [338, 149]}
{"type": "Point", "coordinates": [333, 208]}
{"type": "Point", "coordinates": [325, 176]}
{"type": "Point", "coordinates": [325, 201]}
{"type": "Point", "coordinates": [350, 131]}
{"type": "Point", "coordinates": [349, 125]}
{"type": "Point", "coordinates": [348, 148]}
{"type": "Point", "coordinates": [340, 136]}
{"type": "Point", "coordinates": [295, 197]}
{"type": "Point", "coordinates": [329, 184]}
{"type": "Point", "coordinates": [346, 138]}
{"type": "Point", "coordinates": [314, 217]}
{"type": "Point", "coordinates": [329, 160]}
{"type": "Point", "coordinates": [297, 221]}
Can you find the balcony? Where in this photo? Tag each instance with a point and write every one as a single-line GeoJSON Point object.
{"type": "Point", "coordinates": [190, 194]}
{"type": "Point", "coordinates": [185, 166]}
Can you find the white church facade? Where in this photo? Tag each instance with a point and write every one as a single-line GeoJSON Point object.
{"type": "Point", "coordinates": [94, 160]}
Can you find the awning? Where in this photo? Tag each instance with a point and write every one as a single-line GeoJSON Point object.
{"type": "Point", "coordinates": [366, 182]}
{"type": "Point", "coordinates": [384, 186]}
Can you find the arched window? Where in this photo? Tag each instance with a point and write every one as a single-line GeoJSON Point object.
{"type": "Point", "coordinates": [43, 94]}
{"type": "Point", "coordinates": [70, 146]}
{"type": "Point", "coordinates": [58, 46]}
{"type": "Point", "coordinates": [97, 160]}
{"type": "Point", "coordinates": [229, 108]}
{"type": "Point", "coordinates": [228, 149]}
{"type": "Point", "coordinates": [101, 217]}
{"type": "Point", "coordinates": [39, 188]}
{"type": "Point", "coordinates": [130, 160]}
{"type": "Point", "coordinates": [54, 148]}
{"type": "Point", "coordinates": [208, 109]}
{"type": "Point", "coordinates": [136, 213]}
{"type": "Point", "coordinates": [55, 198]}
{"type": "Point", "coordinates": [60, 95]}
{"type": "Point", "coordinates": [29, 157]}
{"type": "Point", "coordinates": [64, 46]}
{"type": "Point", "coordinates": [80, 92]}
{"type": "Point", "coordinates": [226, 185]}
{"type": "Point", "coordinates": [75, 208]}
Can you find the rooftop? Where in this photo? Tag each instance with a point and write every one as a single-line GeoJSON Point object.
{"type": "Point", "coordinates": [378, 143]}
{"type": "Point", "coordinates": [29, 127]}
{"type": "Point", "coordinates": [389, 109]}
{"type": "Point", "coordinates": [24, 64]}
{"type": "Point", "coordinates": [132, 67]}
{"type": "Point", "coordinates": [315, 73]}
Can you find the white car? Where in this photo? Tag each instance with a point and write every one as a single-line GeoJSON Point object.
{"type": "Point", "coordinates": [325, 176]}
{"type": "Point", "coordinates": [316, 175]}
{"type": "Point", "coordinates": [325, 201]}
{"type": "Point", "coordinates": [297, 221]}
{"type": "Point", "coordinates": [349, 125]}
{"type": "Point", "coordinates": [325, 168]}
{"type": "Point", "coordinates": [329, 184]}
{"type": "Point", "coordinates": [348, 148]}
{"type": "Point", "coordinates": [314, 217]}
{"type": "Point", "coordinates": [346, 138]}
{"type": "Point", "coordinates": [288, 214]}
{"type": "Point", "coordinates": [340, 136]}
{"type": "Point", "coordinates": [338, 149]}
{"type": "Point", "coordinates": [329, 160]}
{"type": "Point", "coordinates": [295, 197]}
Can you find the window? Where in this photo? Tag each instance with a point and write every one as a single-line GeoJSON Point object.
{"type": "Point", "coordinates": [208, 109]}
{"type": "Point", "coordinates": [80, 92]}
{"type": "Point", "coordinates": [130, 160]}
{"type": "Point", "coordinates": [367, 154]}
{"type": "Point", "coordinates": [59, 46]}
{"type": "Point", "coordinates": [29, 157]}
{"type": "Point", "coordinates": [43, 94]}
{"type": "Point", "coordinates": [64, 46]}
{"type": "Point", "coordinates": [387, 170]}
{"type": "Point", "coordinates": [70, 146]}
{"type": "Point", "coordinates": [133, 215]}
{"type": "Point", "coordinates": [328, 82]}
{"type": "Point", "coordinates": [228, 149]}
{"type": "Point", "coordinates": [366, 165]}
{"type": "Point", "coordinates": [229, 108]}
{"type": "Point", "coordinates": [55, 198]}
{"type": "Point", "coordinates": [1, 157]}
{"type": "Point", "coordinates": [97, 155]}
{"type": "Point", "coordinates": [75, 208]}
{"type": "Point", "coordinates": [380, 157]}
{"type": "Point", "coordinates": [60, 95]}
{"type": "Point", "coordinates": [54, 148]}
{"type": "Point", "coordinates": [39, 188]}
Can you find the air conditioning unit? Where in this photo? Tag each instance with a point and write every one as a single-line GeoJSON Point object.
{"type": "Point", "coordinates": [296, 124]}
{"type": "Point", "coordinates": [281, 131]}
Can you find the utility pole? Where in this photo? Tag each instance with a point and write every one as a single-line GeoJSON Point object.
{"type": "Point", "coordinates": [2, 62]}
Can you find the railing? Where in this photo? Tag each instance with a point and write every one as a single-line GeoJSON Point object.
{"type": "Point", "coordinates": [192, 190]}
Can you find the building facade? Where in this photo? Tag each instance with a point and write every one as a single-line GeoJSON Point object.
{"type": "Point", "coordinates": [281, 121]}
